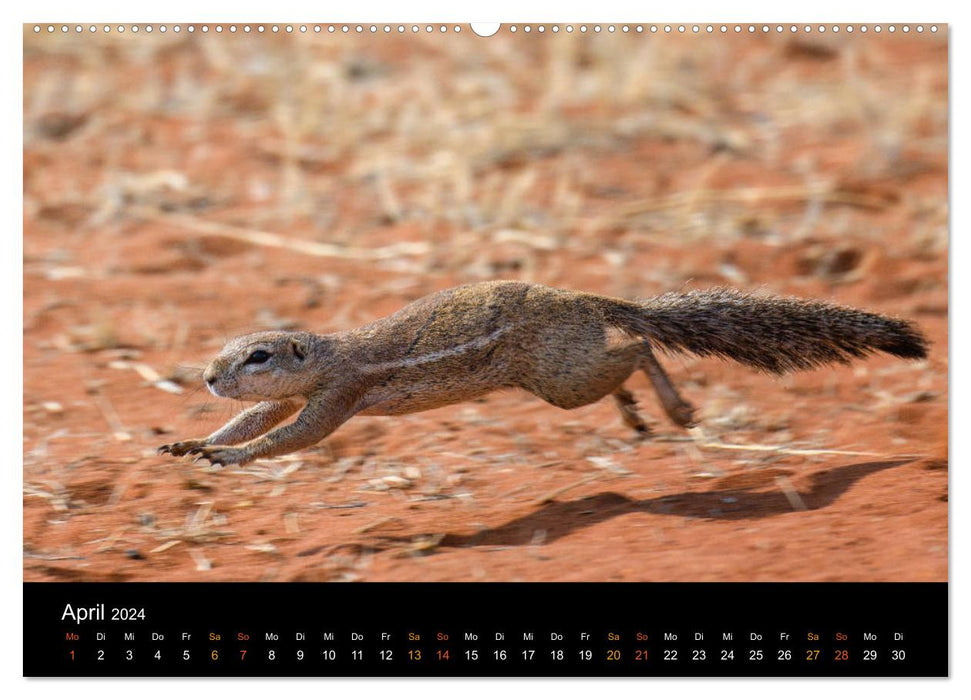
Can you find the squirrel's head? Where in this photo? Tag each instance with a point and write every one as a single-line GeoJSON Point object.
{"type": "Point", "coordinates": [261, 366]}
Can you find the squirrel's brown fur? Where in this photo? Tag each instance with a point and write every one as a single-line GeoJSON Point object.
{"type": "Point", "coordinates": [468, 341]}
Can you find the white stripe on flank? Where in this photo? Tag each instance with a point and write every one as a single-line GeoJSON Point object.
{"type": "Point", "coordinates": [438, 354]}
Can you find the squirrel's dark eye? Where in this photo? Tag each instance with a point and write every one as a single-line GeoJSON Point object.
{"type": "Point", "coordinates": [257, 358]}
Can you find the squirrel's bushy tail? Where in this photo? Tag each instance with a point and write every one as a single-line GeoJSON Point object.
{"type": "Point", "coordinates": [769, 333]}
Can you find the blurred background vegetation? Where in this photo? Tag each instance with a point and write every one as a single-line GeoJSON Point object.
{"type": "Point", "coordinates": [514, 155]}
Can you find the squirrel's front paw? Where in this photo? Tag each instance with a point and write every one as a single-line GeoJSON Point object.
{"type": "Point", "coordinates": [177, 449]}
{"type": "Point", "coordinates": [219, 454]}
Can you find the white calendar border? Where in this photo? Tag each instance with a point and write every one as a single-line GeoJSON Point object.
{"type": "Point", "coordinates": [827, 11]}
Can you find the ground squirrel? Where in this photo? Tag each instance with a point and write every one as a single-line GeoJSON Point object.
{"type": "Point", "coordinates": [568, 348]}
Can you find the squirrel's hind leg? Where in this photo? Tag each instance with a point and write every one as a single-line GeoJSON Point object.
{"type": "Point", "coordinates": [678, 410]}
{"type": "Point", "coordinates": [627, 405]}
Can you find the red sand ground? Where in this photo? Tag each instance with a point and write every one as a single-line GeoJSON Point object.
{"type": "Point", "coordinates": [695, 180]}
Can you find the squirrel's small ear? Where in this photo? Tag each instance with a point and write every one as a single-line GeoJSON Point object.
{"type": "Point", "coordinates": [299, 348]}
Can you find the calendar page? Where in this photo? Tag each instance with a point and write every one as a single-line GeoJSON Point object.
{"type": "Point", "coordinates": [424, 349]}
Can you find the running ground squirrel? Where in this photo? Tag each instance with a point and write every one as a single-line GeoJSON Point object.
{"type": "Point", "coordinates": [467, 341]}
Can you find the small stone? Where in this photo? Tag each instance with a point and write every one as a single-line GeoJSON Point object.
{"type": "Point", "coordinates": [396, 482]}
{"type": "Point", "coordinates": [264, 547]}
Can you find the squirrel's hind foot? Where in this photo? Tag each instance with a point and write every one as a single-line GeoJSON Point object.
{"type": "Point", "coordinates": [627, 405]}
{"type": "Point", "coordinates": [683, 414]}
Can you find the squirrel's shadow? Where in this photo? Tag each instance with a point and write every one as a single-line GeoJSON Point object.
{"type": "Point", "coordinates": [558, 519]}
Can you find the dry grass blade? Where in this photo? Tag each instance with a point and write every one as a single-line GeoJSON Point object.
{"type": "Point", "coordinates": [552, 495]}
{"type": "Point", "coordinates": [376, 524]}
{"type": "Point", "coordinates": [202, 563]}
{"type": "Point", "coordinates": [752, 196]}
{"type": "Point", "coordinates": [56, 494]}
{"type": "Point", "coordinates": [420, 546]}
{"type": "Point", "coordinates": [52, 557]}
{"type": "Point", "coordinates": [164, 546]}
{"type": "Point", "coordinates": [533, 240]}
{"type": "Point", "coordinates": [263, 547]}
{"type": "Point", "coordinates": [148, 374]}
{"type": "Point", "coordinates": [275, 240]}
{"type": "Point", "coordinates": [795, 500]}
{"type": "Point", "coordinates": [780, 449]}
{"type": "Point", "coordinates": [200, 526]}
{"type": "Point", "coordinates": [607, 464]}
{"type": "Point", "coordinates": [111, 417]}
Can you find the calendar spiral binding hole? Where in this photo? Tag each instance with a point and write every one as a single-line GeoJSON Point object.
{"type": "Point", "coordinates": [375, 29]}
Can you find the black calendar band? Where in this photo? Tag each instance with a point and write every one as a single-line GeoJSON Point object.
{"type": "Point", "coordinates": [473, 629]}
